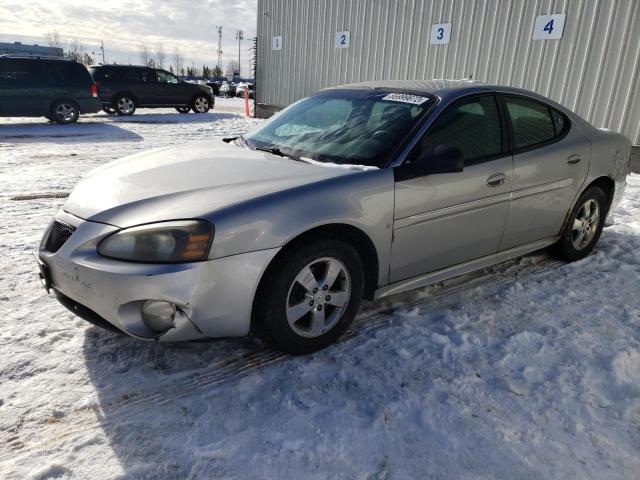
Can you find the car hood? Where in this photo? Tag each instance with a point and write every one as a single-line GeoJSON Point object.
{"type": "Point", "coordinates": [191, 180]}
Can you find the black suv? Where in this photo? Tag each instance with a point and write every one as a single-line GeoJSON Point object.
{"type": "Point", "coordinates": [123, 88]}
{"type": "Point", "coordinates": [46, 87]}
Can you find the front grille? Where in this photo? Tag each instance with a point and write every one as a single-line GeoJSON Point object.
{"type": "Point", "coordinates": [58, 234]}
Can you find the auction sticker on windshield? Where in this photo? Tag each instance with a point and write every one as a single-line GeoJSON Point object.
{"type": "Point", "coordinates": [404, 98]}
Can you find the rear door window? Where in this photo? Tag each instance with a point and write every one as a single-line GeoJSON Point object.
{"type": "Point", "coordinates": [532, 122]}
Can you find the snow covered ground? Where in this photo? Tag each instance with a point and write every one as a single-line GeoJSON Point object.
{"type": "Point", "coordinates": [530, 369]}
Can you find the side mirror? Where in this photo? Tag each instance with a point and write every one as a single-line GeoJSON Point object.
{"type": "Point", "coordinates": [440, 159]}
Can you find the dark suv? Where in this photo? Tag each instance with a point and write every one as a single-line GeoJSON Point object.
{"type": "Point", "coordinates": [123, 88]}
{"type": "Point", "coordinates": [45, 87]}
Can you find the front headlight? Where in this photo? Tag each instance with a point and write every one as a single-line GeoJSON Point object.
{"type": "Point", "coordinates": [165, 242]}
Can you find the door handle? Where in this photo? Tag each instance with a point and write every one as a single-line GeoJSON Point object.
{"type": "Point", "coordinates": [496, 179]}
{"type": "Point", "coordinates": [573, 159]}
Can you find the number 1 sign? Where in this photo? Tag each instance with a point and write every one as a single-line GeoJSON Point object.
{"type": "Point", "coordinates": [549, 27]}
{"type": "Point", "coordinates": [440, 33]}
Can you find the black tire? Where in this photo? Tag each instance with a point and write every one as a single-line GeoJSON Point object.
{"type": "Point", "coordinates": [109, 109]}
{"type": "Point", "coordinates": [566, 248]}
{"type": "Point", "coordinates": [183, 109]}
{"type": "Point", "coordinates": [269, 317]}
{"type": "Point", "coordinates": [64, 112]}
{"type": "Point", "coordinates": [124, 104]}
{"type": "Point", "coordinates": [201, 104]}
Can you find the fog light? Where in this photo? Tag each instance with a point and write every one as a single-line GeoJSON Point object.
{"type": "Point", "coordinates": [158, 315]}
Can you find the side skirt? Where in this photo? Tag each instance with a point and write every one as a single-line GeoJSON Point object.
{"type": "Point", "coordinates": [462, 268]}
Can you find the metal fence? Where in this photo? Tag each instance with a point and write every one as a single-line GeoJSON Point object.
{"type": "Point", "coordinates": [594, 69]}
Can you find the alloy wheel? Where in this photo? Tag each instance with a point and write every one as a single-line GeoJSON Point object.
{"type": "Point", "coordinates": [65, 112]}
{"type": "Point", "coordinates": [125, 106]}
{"type": "Point", "coordinates": [318, 297]}
{"type": "Point", "coordinates": [585, 225]}
{"type": "Point", "coordinates": [201, 104]}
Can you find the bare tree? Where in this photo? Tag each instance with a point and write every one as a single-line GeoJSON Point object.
{"type": "Point", "coordinates": [178, 61]}
{"type": "Point", "coordinates": [232, 67]}
{"type": "Point", "coordinates": [54, 40]}
{"type": "Point", "coordinates": [160, 56]}
{"type": "Point", "coordinates": [146, 56]}
{"type": "Point", "coordinates": [75, 51]}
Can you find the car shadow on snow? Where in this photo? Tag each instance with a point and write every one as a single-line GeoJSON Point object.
{"type": "Point", "coordinates": [429, 396]}
{"type": "Point", "coordinates": [160, 118]}
{"type": "Point", "coordinates": [82, 131]}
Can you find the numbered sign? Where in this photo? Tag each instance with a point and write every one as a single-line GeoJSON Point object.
{"type": "Point", "coordinates": [343, 39]}
{"type": "Point", "coordinates": [276, 43]}
{"type": "Point", "coordinates": [440, 33]}
{"type": "Point", "coordinates": [549, 27]}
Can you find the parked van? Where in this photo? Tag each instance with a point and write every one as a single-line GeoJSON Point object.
{"type": "Point", "coordinates": [57, 89]}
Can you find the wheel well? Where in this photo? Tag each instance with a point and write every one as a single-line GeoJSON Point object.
{"type": "Point", "coordinates": [63, 99]}
{"type": "Point", "coordinates": [607, 185]}
{"type": "Point", "coordinates": [356, 237]}
{"type": "Point", "coordinates": [129, 94]}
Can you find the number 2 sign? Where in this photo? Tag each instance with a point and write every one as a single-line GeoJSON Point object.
{"type": "Point", "coordinates": [440, 33]}
{"type": "Point", "coordinates": [549, 27]}
{"type": "Point", "coordinates": [343, 39]}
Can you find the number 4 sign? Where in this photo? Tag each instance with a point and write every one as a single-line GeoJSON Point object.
{"type": "Point", "coordinates": [549, 27]}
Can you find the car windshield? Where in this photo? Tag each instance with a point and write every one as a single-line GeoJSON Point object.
{"type": "Point", "coordinates": [344, 126]}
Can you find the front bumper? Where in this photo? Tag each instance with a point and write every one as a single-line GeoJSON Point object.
{"type": "Point", "coordinates": [212, 298]}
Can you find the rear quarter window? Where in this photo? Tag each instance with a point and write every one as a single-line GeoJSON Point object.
{"type": "Point", "coordinates": [66, 73]}
{"type": "Point", "coordinates": [532, 122]}
{"type": "Point", "coordinates": [14, 72]}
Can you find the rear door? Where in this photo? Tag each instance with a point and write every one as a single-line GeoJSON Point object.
{"type": "Point", "coordinates": [551, 161]}
{"type": "Point", "coordinates": [22, 91]}
{"type": "Point", "coordinates": [450, 218]}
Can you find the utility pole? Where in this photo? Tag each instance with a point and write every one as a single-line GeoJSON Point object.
{"type": "Point", "coordinates": [102, 48]}
{"type": "Point", "coordinates": [239, 37]}
{"type": "Point", "coordinates": [219, 28]}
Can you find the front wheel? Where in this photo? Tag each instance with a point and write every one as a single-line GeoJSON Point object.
{"type": "Point", "coordinates": [201, 104]}
{"type": "Point", "coordinates": [183, 109]}
{"type": "Point", "coordinates": [583, 229]}
{"type": "Point", "coordinates": [64, 111]}
{"type": "Point", "coordinates": [109, 109]}
{"type": "Point", "coordinates": [309, 297]}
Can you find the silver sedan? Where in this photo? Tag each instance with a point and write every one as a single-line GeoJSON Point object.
{"type": "Point", "coordinates": [359, 191]}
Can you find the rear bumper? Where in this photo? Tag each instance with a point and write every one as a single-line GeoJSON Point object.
{"type": "Point", "coordinates": [212, 298]}
{"type": "Point", "coordinates": [89, 105]}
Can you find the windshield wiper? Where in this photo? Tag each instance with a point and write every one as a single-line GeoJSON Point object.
{"type": "Point", "coordinates": [281, 153]}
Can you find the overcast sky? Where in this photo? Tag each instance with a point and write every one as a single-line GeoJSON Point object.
{"type": "Point", "coordinates": [125, 25]}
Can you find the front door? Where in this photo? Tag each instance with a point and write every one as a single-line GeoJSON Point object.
{"type": "Point", "coordinates": [551, 161]}
{"type": "Point", "coordinates": [450, 218]}
{"type": "Point", "coordinates": [22, 91]}
{"type": "Point", "coordinates": [171, 91]}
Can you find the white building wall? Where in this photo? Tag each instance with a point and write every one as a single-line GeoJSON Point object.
{"type": "Point", "coordinates": [594, 69]}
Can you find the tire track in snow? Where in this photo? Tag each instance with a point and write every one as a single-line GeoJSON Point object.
{"type": "Point", "coordinates": [241, 365]}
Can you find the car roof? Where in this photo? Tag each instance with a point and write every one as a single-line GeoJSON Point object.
{"type": "Point", "coordinates": [117, 65]}
{"type": "Point", "coordinates": [36, 57]}
{"type": "Point", "coordinates": [447, 89]}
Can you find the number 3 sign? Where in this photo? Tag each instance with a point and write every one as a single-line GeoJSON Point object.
{"type": "Point", "coordinates": [549, 27]}
{"type": "Point", "coordinates": [440, 33]}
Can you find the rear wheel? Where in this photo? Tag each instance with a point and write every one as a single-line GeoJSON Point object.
{"type": "Point", "coordinates": [125, 105]}
{"type": "Point", "coordinates": [582, 231]}
{"type": "Point", "coordinates": [183, 109]}
{"type": "Point", "coordinates": [201, 104]}
{"type": "Point", "coordinates": [309, 297]}
{"type": "Point", "coordinates": [64, 111]}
